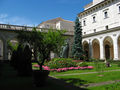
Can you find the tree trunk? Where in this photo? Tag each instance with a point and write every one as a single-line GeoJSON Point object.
{"type": "Point", "coordinates": [35, 52]}
{"type": "Point", "coordinates": [41, 64]}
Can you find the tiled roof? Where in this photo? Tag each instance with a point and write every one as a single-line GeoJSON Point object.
{"type": "Point", "coordinates": [54, 21]}
{"type": "Point", "coordinates": [88, 5]}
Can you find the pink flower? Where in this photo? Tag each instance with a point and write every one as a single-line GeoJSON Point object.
{"type": "Point", "coordinates": [65, 69]}
{"type": "Point", "coordinates": [90, 67]}
{"type": "Point", "coordinates": [36, 65]}
{"type": "Point", "coordinates": [76, 68]}
{"type": "Point", "coordinates": [70, 68]}
{"type": "Point", "coordinates": [58, 70]}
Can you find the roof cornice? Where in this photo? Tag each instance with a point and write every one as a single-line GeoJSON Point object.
{"type": "Point", "coordinates": [102, 32]}
{"type": "Point", "coordinates": [85, 11]}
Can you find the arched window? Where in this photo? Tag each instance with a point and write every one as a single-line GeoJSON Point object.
{"type": "Point", "coordinates": [106, 14]}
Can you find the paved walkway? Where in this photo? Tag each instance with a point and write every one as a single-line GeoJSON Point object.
{"type": "Point", "coordinates": [84, 73]}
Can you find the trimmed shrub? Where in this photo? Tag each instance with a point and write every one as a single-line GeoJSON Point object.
{"type": "Point", "coordinates": [55, 59]}
{"type": "Point", "coordinates": [82, 64]}
{"type": "Point", "coordinates": [61, 63]}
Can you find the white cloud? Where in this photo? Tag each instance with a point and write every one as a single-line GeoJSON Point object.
{"type": "Point", "coordinates": [16, 20]}
{"type": "Point", "coordinates": [2, 16]}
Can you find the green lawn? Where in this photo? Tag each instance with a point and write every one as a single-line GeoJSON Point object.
{"type": "Point", "coordinates": [9, 80]}
{"type": "Point", "coordinates": [90, 78]}
{"type": "Point", "coordinates": [114, 86]}
{"type": "Point", "coordinates": [113, 67]}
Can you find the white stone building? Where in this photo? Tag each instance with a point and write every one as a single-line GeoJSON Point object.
{"type": "Point", "coordinates": [101, 29]}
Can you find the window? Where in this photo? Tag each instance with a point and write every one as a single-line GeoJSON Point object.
{"type": "Point", "coordinates": [84, 23]}
{"type": "Point", "coordinates": [106, 14]}
{"type": "Point", "coordinates": [106, 27]}
{"type": "Point", "coordinates": [47, 26]}
{"type": "Point", "coordinates": [94, 30]}
{"type": "Point", "coordinates": [94, 19]}
{"type": "Point", "coordinates": [84, 33]}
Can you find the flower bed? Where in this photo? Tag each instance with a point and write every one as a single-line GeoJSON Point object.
{"type": "Point", "coordinates": [65, 69]}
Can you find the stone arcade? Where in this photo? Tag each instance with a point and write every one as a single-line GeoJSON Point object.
{"type": "Point", "coordinates": [101, 29]}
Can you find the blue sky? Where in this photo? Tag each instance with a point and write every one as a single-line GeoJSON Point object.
{"type": "Point", "coordinates": [33, 12]}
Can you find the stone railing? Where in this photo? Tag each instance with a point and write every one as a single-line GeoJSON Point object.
{"type": "Point", "coordinates": [17, 27]}
{"type": "Point", "coordinates": [14, 27]}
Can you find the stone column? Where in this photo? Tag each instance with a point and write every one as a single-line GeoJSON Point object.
{"type": "Point", "coordinates": [5, 50]}
{"type": "Point", "coordinates": [102, 54]}
{"type": "Point", "coordinates": [115, 46]}
{"type": "Point", "coordinates": [90, 49]}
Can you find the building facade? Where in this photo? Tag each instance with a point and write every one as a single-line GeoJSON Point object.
{"type": "Point", "coordinates": [101, 29]}
{"type": "Point", "coordinates": [58, 23]}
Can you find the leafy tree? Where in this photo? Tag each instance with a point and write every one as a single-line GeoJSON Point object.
{"type": "Point", "coordinates": [11, 46]}
{"type": "Point", "coordinates": [42, 42]}
{"type": "Point", "coordinates": [77, 50]}
{"type": "Point", "coordinates": [33, 38]}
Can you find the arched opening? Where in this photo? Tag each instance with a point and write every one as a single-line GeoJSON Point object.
{"type": "Point", "coordinates": [12, 45]}
{"type": "Point", "coordinates": [1, 49]}
{"type": "Point", "coordinates": [107, 51]}
{"type": "Point", "coordinates": [96, 49]}
{"type": "Point", "coordinates": [119, 47]}
{"type": "Point", "coordinates": [108, 48]}
{"type": "Point", "coordinates": [86, 49]}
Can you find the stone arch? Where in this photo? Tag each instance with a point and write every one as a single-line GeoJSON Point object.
{"type": "Point", "coordinates": [119, 47]}
{"type": "Point", "coordinates": [14, 42]}
{"type": "Point", "coordinates": [86, 48]}
{"type": "Point", "coordinates": [108, 47]}
{"type": "Point", "coordinates": [1, 49]}
{"type": "Point", "coordinates": [96, 49]}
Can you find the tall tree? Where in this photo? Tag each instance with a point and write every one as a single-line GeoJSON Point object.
{"type": "Point", "coordinates": [77, 50]}
{"type": "Point", "coordinates": [43, 42]}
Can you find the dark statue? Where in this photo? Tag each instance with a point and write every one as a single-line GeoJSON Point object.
{"type": "Point", "coordinates": [65, 50]}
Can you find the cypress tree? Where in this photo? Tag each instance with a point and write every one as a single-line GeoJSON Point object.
{"type": "Point", "coordinates": [77, 50]}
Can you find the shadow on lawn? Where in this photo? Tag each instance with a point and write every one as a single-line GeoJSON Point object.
{"type": "Point", "coordinates": [74, 81]}
{"type": "Point", "coordinates": [70, 83]}
{"type": "Point", "coordinates": [10, 80]}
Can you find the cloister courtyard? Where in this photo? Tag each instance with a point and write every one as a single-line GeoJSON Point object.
{"type": "Point", "coordinates": [101, 77]}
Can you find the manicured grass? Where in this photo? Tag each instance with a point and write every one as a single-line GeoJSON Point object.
{"type": "Point", "coordinates": [78, 80]}
{"type": "Point", "coordinates": [10, 80]}
{"type": "Point", "coordinates": [113, 67]}
{"type": "Point", "coordinates": [114, 86]}
{"type": "Point", "coordinates": [90, 78]}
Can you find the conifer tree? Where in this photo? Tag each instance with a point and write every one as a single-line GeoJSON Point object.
{"type": "Point", "coordinates": [77, 51]}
